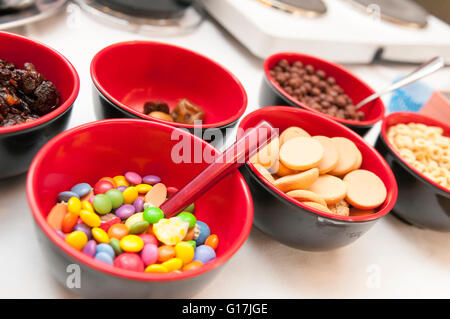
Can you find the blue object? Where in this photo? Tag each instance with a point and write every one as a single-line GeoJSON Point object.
{"type": "Point", "coordinates": [204, 233]}
{"type": "Point", "coordinates": [105, 248]}
{"type": "Point", "coordinates": [410, 98]}
{"type": "Point", "coordinates": [204, 253]}
{"type": "Point", "coordinates": [102, 256]}
{"type": "Point", "coordinates": [65, 196]}
{"type": "Point", "coordinates": [81, 189]}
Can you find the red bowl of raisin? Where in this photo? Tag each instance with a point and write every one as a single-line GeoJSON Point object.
{"type": "Point", "coordinates": [317, 85]}
{"type": "Point", "coordinates": [38, 87]}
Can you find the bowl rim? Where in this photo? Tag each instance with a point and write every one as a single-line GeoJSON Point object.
{"type": "Point", "coordinates": [101, 89]}
{"type": "Point", "coordinates": [413, 116]}
{"type": "Point", "coordinates": [393, 191]}
{"type": "Point", "coordinates": [61, 108]}
{"type": "Point", "coordinates": [110, 269]}
{"type": "Point", "coordinates": [279, 90]}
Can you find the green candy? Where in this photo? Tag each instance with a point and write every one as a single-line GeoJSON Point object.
{"type": "Point", "coordinates": [139, 227]}
{"type": "Point", "coordinates": [189, 209]}
{"type": "Point", "coordinates": [102, 204]}
{"type": "Point", "coordinates": [192, 242]}
{"type": "Point", "coordinates": [188, 218]}
{"type": "Point", "coordinates": [116, 197]}
{"type": "Point", "coordinates": [115, 244]}
{"type": "Point", "coordinates": [153, 214]}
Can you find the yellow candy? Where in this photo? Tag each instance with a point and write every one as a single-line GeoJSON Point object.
{"type": "Point", "coordinates": [77, 239]}
{"type": "Point", "coordinates": [100, 235]}
{"type": "Point", "coordinates": [156, 268]}
{"type": "Point", "coordinates": [143, 188]}
{"type": "Point", "coordinates": [133, 219]}
{"type": "Point", "coordinates": [121, 181]}
{"type": "Point", "coordinates": [74, 205]}
{"type": "Point", "coordinates": [173, 264]}
{"type": "Point", "coordinates": [131, 243]}
{"type": "Point", "coordinates": [90, 218]}
{"type": "Point", "coordinates": [86, 205]}
{"type": "Point", "coordinates": [129, 195]}
{"type": "Point", "coordinates": [185, 252]}
{"type": "Point", "coordinates": [170, 231]}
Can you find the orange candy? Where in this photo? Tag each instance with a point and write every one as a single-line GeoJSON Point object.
{"type": "Point", "coordinates": [69, 221]}
{"type": "Point", "coordinates": [56, 216]}
{"type": "Point", "coordinates": [118, 231]}
{"type": "Point", "coordinates": [212, 241]}
{"type": "Point", "coordinates": [109, 179]}
{"type": "Point", "coordinates": [165, 253]}
{"type": "Point", "coordinates": [192, 265]}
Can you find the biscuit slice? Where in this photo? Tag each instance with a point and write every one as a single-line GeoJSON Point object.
{"type": "Point", "coordinates": [330, 155]}
{"type": "Point", "coordinates": [348, 155]}
{"type": "Point", "coordinates": [365, 189]}
{"type": "Point", "coordinates": [297, 181]}
{"type": "Point", "coordinates": [306, 196]}
{"type": "Point", "coordinates": [301, 153]}
{"type": "Point", "coordinates": [331, 188]}
{"type": "Point", "coordinates": [292, 132]}
{"type": "Point", "coordinates": [317, 206]}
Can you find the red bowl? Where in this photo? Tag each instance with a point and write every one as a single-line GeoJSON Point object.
{"type": "Point", "coordinates": [421, 201]}
{"type": "Point", "coordinates": [272, 93]}
{"type": "Point", "coordinates": [128, 74]}
{"type": "Point", "coordinates": [19, 143]}
{"type": "Point", "coordinates": [108, 148]}
{"type": "Point", "coordinates": [293, 223]}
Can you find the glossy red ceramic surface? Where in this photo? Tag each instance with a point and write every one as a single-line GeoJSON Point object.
{"type": "Point", "coordinates": [354, 87]}
{"type": "Point", "coordinates": [112, 147]}
{"type": "Point", "coordinates": [283, 117]}
{"type": "Point", "coordinates": [131, 73]}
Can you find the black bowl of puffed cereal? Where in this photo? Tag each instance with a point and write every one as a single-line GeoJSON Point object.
{"type": "Point", "coordinates": [418, 150]}
{"type": "Point", "coordinates": [317, 85]}
{"type": "Point", "coordinates": [38, 87]}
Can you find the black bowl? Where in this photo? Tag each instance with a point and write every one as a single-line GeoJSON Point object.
{"type": "Point", "coordinates": [271, 93]}
{"type": "Point", "coordinates": [289, 221]}
{"type": "Point", "coordinates": [19, 143]}
{"type": "Point", "coordinates": [421, 202]}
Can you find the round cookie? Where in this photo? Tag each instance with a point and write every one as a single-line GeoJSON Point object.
{"type": "Point", "coordinates": [301, 153]}
{"type": "Point", "coordinates": [264, 172]}
{"type": "Point", "coordinates": [283, 170]}
{"type": "Point", "coordinates": [348, 155]}
{"type": "Point", "coordinates": [292, 132]}
{"type": "Point", "coordinates": [317, 206]}
{"type": "Point", "coordinates": [330, 155]}
{"type": "Point", "coordinates": [297, 181]}
{"type": "Point", "coordinates": [303, 195]}
{"type": "Point", "coordinates": [331, 188]}
{"type": "Point", "coordinates": [365, 190]}
{"type": "Point", "coordinates": [268, 155]}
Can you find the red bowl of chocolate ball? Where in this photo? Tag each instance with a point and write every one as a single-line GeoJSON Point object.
{"type": "Point", "coordinates": [167, 84]}
{"type": "Point", "coordinates": [38, 87]}
{"type": "Point", "coordinates": [320, 86]}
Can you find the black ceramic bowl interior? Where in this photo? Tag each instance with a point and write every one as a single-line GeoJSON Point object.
{"type": "Point", "coordinates": [271, 93]}
{"type": "Point", "coordinates": [19, 143]}
{"type": "Point", "coordinates": [421, 202]}
{"type": "Point", "coordinates": [289, 221]}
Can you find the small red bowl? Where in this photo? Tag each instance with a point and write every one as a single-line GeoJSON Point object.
{"type": "Point", "coordinates": [19, 143]}
{"type": "Point", "coordinates": [421, 202]}
{"type": "Point", "coordinates": [272, 93]}
{"type": "Point", "coordinates": [294, 224]}
{"type": "Point", "coordinates": [128, 74]}
{"type": "Point", "coordinates": [111, 147]}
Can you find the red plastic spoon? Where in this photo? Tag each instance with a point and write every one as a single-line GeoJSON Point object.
{"type": "Point", "coordinates": [224, 163]}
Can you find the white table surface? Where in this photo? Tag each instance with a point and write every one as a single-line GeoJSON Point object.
{"type": "Point", "coordinates": [392, 260]}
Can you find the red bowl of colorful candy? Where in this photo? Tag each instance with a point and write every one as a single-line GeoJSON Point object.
{"type": "Point", "coordinates": [94, 192]}
{"type": "Point", "coordinates": [319, 86]}
{"type": "Point", "coordinates": [147, 80]}
{"type": "Point", "coordinates": [29, 114]}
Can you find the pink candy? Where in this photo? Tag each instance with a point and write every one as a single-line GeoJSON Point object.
{"type": "Point", "coordinates": [149, 254]}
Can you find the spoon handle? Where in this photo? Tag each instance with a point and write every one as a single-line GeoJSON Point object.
{"type": "Point", "coordinates": [224, 163]}
{"type": "Point", "coordinates": [422, 71]}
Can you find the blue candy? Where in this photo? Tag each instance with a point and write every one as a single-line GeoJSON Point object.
{"type": "Point", "coordinates": [65, 196]}
{"type": "Point", "coordinates": [81, 189]}
{"type": "Point", "coordinates": [204, 233]}
{"type": "Point", "coordinates": [102, 256]}
{"type": "Point", "coordinates": [105, 248]}
{"type": "Point", "coordinates": [204, 253]}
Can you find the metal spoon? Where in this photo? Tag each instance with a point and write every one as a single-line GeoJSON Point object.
{"type": "Point", "coordinates": [15, 4]}
{"type": "Point", "coordinates": [422, 71]}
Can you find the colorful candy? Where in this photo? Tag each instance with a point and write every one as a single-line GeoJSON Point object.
{"type": "Point", "coordinates": [119, 222]}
